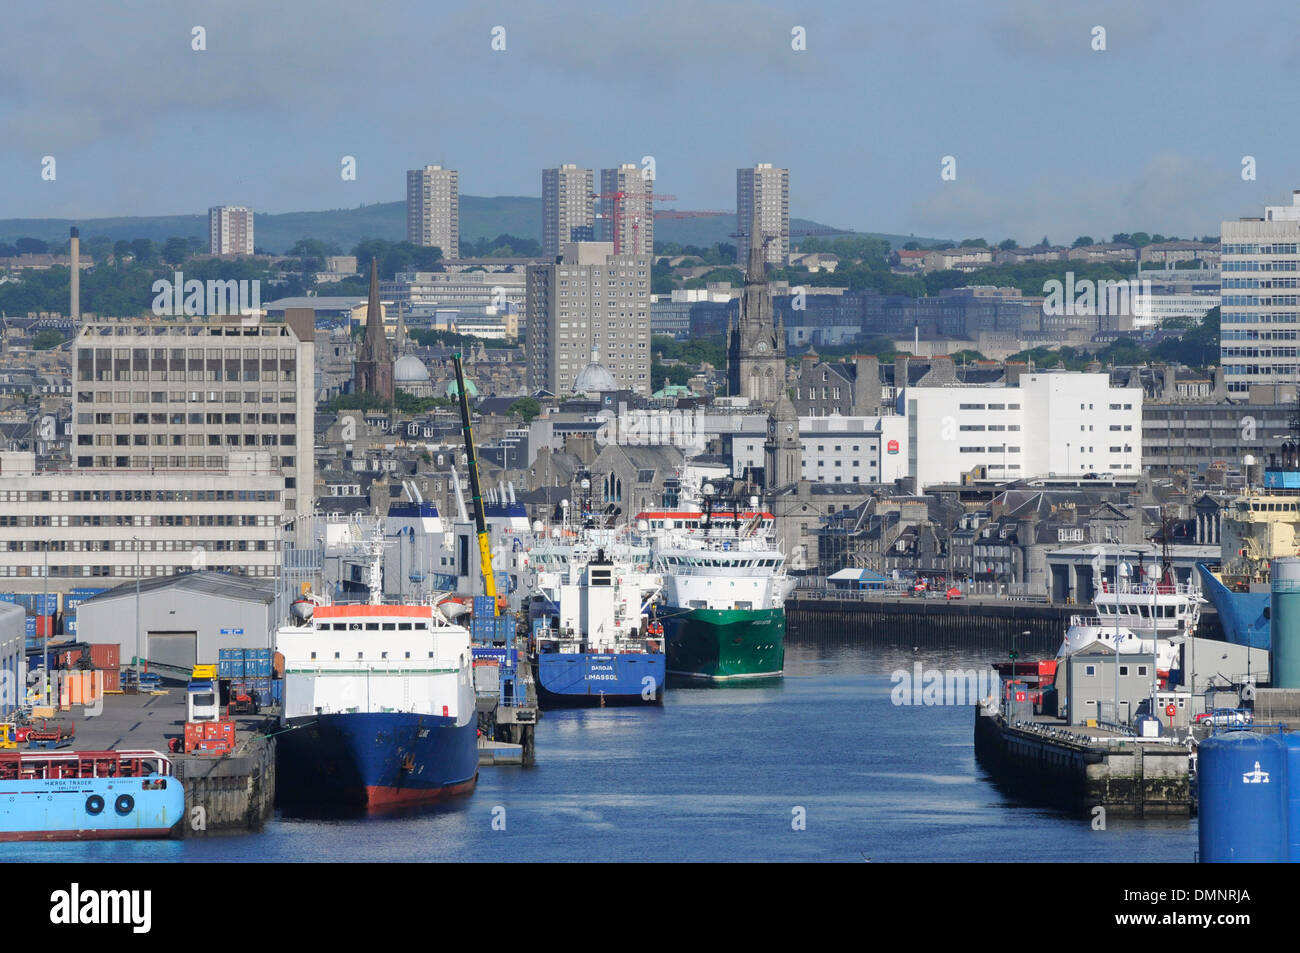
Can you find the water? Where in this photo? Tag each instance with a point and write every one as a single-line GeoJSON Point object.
{"type": "Point", "coordinates": [717, 775]}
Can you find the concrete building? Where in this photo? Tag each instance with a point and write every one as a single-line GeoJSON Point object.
{"type": "Point", "coordinates": [1094, 689]}
{"type": "Point", "coordinates": [628, 222]}
{"type": "Point", "coordinates": [177, 393]}
{"type": "Point", "coordinates": [433, 209]}
{"type": "Point", "coordinates": [593, 306]}
{"type": "Point", "coordinates": [1199, 433]}
{"type": "Point", "coordinates": [1260, 307]}
{"type": "Point", "coordinates": [13, 659]}
{"type": "Point", "coordinates": [1151, 308]}
{"type": "Point", "coordinates": [230, 230]}
{"type": "Point", "coordinates": [568, 207]}
{"type": "Point", "coordinates": [64, 529]}
{"type": "Point", "coordinates": [836, 450]}
{"type": "Point", "coordinates": [1047, 423]}
{"type": "Point", "coordinates": [184, 620]}
{"type": "Point", "coordinates": [498, 300]}
{"type": "Point", "coordinates": [763, 207]}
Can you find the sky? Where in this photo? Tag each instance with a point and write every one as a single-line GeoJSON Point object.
{"type": "Point", "coordinates": [1049, 136]}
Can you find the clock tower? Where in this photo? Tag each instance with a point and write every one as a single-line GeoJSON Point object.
{"type": "Point", "coordinates": [782, 453]}
{"type": "Point", "coordinates": [755, 344]}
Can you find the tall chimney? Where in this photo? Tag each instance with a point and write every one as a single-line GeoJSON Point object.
{"type": "Point", "coordinates": [75, 281]}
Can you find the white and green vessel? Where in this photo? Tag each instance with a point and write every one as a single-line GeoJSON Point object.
{"type": "Point", "coordinates": [724, 590]}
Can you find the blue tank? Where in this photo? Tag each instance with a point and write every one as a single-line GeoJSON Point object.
{"type": "Point", "coordinates": [1292, 740]}
{"type": "Point", "coordinates": [1242, 777]}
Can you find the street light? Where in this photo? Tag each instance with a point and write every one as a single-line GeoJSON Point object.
{"type": "Point", "coordinates": [136, 663]}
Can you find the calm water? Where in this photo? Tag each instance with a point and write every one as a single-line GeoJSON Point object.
{"type": "Point", "coordinates": [716, 775]}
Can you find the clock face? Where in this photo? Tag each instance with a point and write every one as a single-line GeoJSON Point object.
{"type": "Point", "coordinates": [761, 347]}
{"type": "Point", "coordinates": [789, 428]}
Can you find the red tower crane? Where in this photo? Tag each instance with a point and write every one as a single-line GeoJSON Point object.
{"type": "Point", "coordinates": [616, 213]}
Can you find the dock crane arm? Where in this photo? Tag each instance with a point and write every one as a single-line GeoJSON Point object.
{"type": "Point", "coordinates": [476, 491]}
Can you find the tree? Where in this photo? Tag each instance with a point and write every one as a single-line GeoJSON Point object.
{"type": "Point", "coordinates": [1083, 240]}
{"type": "Point", "coordinates": [31, 246]}
{"type": "Point", "coordinates": [175, 251]}
{"type": "Point", "coordinates": [121, 249]}
{"type": "Point", "coordinates": [143, 250]}
{"type": "Point", "coordinates": [44, 340]}
{"type": "Point", "coordinates": [525, 408]}
{"type": "Point", "coordinates": [1007, 244]}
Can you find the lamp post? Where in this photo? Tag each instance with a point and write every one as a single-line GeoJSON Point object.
{"type": "Point", "coordinates": [136, 663]}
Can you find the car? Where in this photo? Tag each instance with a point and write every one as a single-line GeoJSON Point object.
{"type": "Point", "coordinates": [954, 593]}
{"type": "Point", "coordinates": [1225, 717]}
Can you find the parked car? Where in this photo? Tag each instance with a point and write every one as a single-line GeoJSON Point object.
{"type": "Point", "coordinates": [1225, 717]}
{"type": "Point", "coordinates": [954, 593]}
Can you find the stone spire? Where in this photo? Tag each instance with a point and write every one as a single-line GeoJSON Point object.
{"type": "Point", "coordinates": [376, 345]}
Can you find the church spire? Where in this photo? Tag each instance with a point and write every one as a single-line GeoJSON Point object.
{"type": "Point", "coordinates": [756, 268]}
{"type": "Point", "coordinates": [376, 342]}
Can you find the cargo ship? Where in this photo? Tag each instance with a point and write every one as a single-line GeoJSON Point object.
{"type": "Point", "coordinates": [724, 591]}
{"type": "Point", "coordinates": [378, 704]}
{"type": "Point", "coordinates": [597, 647]}
{"type": "Point", "coordinates": [88, 795]}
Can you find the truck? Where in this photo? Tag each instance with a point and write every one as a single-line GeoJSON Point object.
{"type": "Point", "coordinates": [51, 735]}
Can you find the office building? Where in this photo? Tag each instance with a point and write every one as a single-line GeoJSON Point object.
{"type": "Point", "coordinates": [1260, 310]}
{"type": "Point", "coordinates": [230, 230]}
{"type": "Point", "coordinates": [433, 209]}
{"type": "Point", "coordinates": [182, 393]}
{"type": "Point", "coordinates": [568, 207]}
{"type": "Point", "coordinates": [593, 307]}
{"type": "Point", "coordinates": [763, 204]}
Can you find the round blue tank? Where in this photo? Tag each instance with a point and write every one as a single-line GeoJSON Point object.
{"type": "Point", "coordinates": [1242, 778]}
{"type": "Point", "coordinates": [1292, 740]}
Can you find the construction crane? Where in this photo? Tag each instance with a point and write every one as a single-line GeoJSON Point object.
{"type": "Point", "coordinates": [616, 213]}
{"type": "Point", "coordinates": [476, 492]}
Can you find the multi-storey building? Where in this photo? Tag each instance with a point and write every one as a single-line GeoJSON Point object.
{"type": "Point", "coordinates": [763, 204]}
{"type": "Point", "coordinates": [433, 209]}
{"type": "Point", "coordinates": [64, 528]}
{"type": "Point", "coordinates": [182, 393]}
{"type": "Point", "coordinates": [629, 221]}
{"type": "Point", "coordinates": [1260, 298]}
{"type": "Point", "coordinates": [593, 306]}
{"type": "Point", "coordinates": [568, 207]}
{"type": "Point", "coordinates": [466, 297]}
{"type": "Point", "coordinates": [230, 230]}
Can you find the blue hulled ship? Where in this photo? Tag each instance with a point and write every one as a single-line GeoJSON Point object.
{"type": "Point", "coordinates": [598, 647]}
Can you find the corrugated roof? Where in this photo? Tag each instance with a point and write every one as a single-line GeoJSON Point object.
{"type": "Point", "coordinates": [204, 581]}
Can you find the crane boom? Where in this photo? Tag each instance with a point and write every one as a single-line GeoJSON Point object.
{"type": "Point", "coordinates": [476, 491]}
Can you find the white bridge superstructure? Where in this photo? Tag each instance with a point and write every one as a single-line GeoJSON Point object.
{"type": "Point", "coordinates": [1141, 618]}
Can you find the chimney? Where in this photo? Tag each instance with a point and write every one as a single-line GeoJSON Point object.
{"type": "Point", "coordinates": [901, 363]}
{"type": "Point", "coordinates": [75, 280]}
{"type": "Point", "coordinates": [866, 389]}
{"type": "Point", "coordinates": [1014, 369]}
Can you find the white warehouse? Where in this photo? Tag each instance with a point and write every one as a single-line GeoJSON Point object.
{"type": "Point", "coordinates": [1061, 423]}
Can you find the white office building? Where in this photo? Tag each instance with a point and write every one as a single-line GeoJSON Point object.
{"type": "Point", "coordinates": [1259, 279]}
{"type": "Point", "coordinates": [1062, 424]}
{"type": "Point", "coordinates": [836, 449]}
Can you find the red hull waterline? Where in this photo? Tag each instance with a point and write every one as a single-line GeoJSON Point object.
{"type": "Point", "coordinates": [380, 797]}
{"type": "Point", "coordinates": [154, 833]}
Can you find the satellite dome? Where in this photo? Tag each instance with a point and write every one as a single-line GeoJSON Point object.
{"type": "Point", "coordinates": [410, 369]}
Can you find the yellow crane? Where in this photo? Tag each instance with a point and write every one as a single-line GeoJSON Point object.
{"type": "Point", "coordinates": [476, 491]}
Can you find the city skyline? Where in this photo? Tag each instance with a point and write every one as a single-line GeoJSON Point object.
{"type": "Point", "coordinates": [1053, 165]}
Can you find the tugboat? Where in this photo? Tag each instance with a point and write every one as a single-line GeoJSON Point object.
{"type": "Point", "coordinates": [598, 648]}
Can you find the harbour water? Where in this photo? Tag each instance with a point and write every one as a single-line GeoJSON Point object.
{"type": "Point", "coordinates": [718, 774]}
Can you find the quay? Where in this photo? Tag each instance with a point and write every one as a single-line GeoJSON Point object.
{"type": "Point", "coordinates": [1080, 768]}
{"type": "Point", "coordinates": [227, 793]}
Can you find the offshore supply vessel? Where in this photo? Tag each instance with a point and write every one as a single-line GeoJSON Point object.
{"type": "Point", "coordinates": [597, 646]}
{"type": "Point", "coordinates": [724, 591]}
{"type": "Point", "coordinates": [379, 706]}
{"type": "Point", "coordinates": [88, 795]}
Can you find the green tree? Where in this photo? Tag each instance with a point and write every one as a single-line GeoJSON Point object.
{"type": "Point", "coordinates": [121, 249]}
{"type": "Point", "coordinates": [175, 251]}
{"type": "Point", "coordinates": [525, 408]}
{"type": "Point", "coordinates": [1083, 240]}
{"type": "Point", "coordinates": [44, 340]}
{"type": "Point", "coordinates": [143, 250]}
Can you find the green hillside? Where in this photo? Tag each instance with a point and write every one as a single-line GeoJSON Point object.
{"type": "Point", "coordinates": [480, 217]}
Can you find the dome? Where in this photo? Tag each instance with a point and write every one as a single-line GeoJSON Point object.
{"type": "Point", "coordinates": [594, 379]}
{"type": "Point", "coordinates": [453, 391]}
{"type": "Point", "coordinates": [409, 369]}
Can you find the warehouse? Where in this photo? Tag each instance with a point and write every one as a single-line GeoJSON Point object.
{"type": "Point", "coordinates": [13, 642]}
{"type": "Point", "coordinates": [183, 620]}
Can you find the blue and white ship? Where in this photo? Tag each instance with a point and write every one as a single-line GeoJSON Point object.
{"type": "Point", "coordinates": [597, 648]}
{"type": "Point", "coordinates": [88, 795]}
{"type": "Point", "coordinates": [379, 706]}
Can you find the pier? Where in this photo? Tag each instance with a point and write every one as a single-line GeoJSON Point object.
{"type": "Point", "coordinates": [1081, 768]}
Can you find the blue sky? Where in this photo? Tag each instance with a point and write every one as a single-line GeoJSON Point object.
{"type": "Point", "coordinates": [1049, 136]}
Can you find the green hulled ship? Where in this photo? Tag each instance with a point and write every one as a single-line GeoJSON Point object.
{"type": "Point", "coordinates": [720, 644]}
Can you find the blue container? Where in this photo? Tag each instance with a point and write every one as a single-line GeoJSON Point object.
{"type": "Point", "coordinates": [258, 654]}
{"type": "Point", "coordinates": [73, 600]}
{"type": "Point", "coordinates": [1243, 798]}
{"type": "Point", "coordinates": [277, 690]}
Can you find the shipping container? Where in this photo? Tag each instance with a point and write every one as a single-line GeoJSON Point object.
{"type": "Point", "coordinates": [277, 690]}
